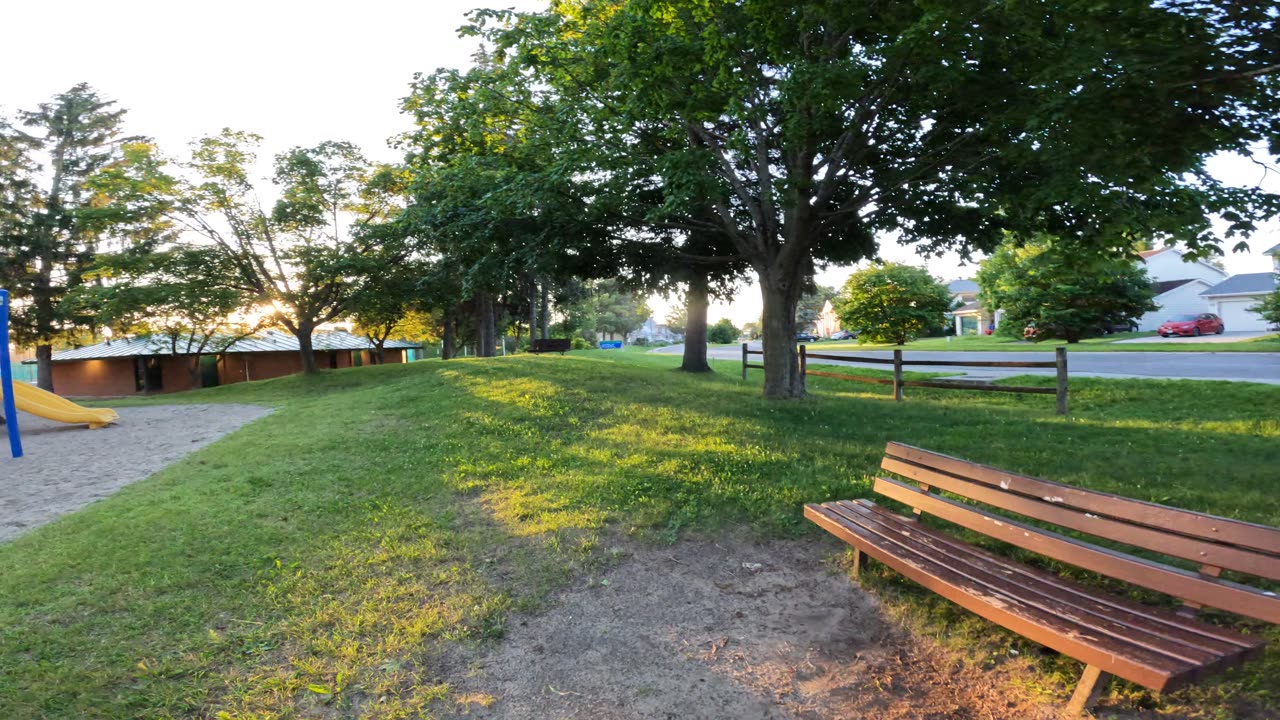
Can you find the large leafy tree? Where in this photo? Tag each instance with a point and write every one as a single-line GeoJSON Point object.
{"type": "Point", "coordinates": [1064, 288]}
{"type": "Point", "coordinates": [827, 124]}
{"type": "Point", "coordinates": [307, 256]}
{"type": "Point", "coordinates": [57, 211]}
{"type": "Point", "coordinates": [616, 309]}
{"type": "Point", "coordinates": [392, 302]}
{"type": "Point", "coordinates": [187, 299]}
{"type": "Point", "coordinates": [893, 303]}
{"type": "Point", "coordinates": [494, 195]}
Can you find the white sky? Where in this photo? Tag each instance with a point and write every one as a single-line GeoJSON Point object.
{"type": "Point", "coordinates": [302, 72]}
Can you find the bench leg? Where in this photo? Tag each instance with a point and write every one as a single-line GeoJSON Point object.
{"type": "Point", "coordinates": [1091, 685]}
{"type": "Point", "coordinates": [859, 562]}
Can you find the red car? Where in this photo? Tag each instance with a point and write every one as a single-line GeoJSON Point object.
{"type": "Point", "coordinates": [1194, 325]}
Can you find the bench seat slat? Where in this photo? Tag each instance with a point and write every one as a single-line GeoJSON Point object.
{"type": "Point", "coordinates": [1161, 541]}
{"type": "Point", "coordinates": [858, 525]}
{"type": "Point", "coordinates": [1164, 625]}
{"type": "Point", "coordinates": [1121, 637]}
{"type": "Point", "coordinates": [1206, 527]}
{"type": "Point", "coordinates": [1236, 598]}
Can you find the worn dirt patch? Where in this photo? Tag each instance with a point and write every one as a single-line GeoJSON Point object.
{"type": "Point", "coordinates": [66, 467]}
{"type": "Point", "coordinates": [727, 629]}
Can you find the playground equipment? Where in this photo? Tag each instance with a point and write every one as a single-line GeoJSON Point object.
{"type": "Point", "coordinates": [42, 403]}
{"type": "Point", "coordinates": [6, 380]}
{"type": "Point", "coordinates": [28, 398]}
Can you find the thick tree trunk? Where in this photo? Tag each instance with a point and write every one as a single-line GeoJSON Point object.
{"type": "Point", "coordinates": [533, 312]}
{"type": "Point", "coordinates": [193, 371]}
{"type": "Point", "coordinates": [695, 327]}
{"type": "Point", "coordinates": [379, 354]}
{"type": "Point", "coordinates": [546, 309]}
{"type": "Point", "coordinates": [782, 378]}
{"type": "Point", "coordinates": [491, 324]}
{"type": "Point", "coordinates": [482, 317]}
{"type": "Point", "coordinates": [448, 340]}
{"type": "Point", "coordinates": [44, 366]}
{"type": "Point", "coordinates": [305, 350]}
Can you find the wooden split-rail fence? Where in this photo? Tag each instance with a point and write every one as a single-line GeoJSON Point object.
{"type": "Point", "coordinates": [1059, 363]}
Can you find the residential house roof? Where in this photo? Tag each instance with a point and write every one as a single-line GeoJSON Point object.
{"type": "Point", "coordinates": [1273, 250]}
{"type": "Point", "coordinates": [972, 308]}
{"type": "Point", "coordinates": [1148, 253]}
{"type": "Point", "coordinates": [1246, 284]}
{"type": "Point", "coordinates": [958, 287]}
{"type": "Point", "coordinates": [269, 341]}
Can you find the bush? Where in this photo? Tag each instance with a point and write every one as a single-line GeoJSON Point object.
{"type": "Point", "coordinates": [722, 332]}
{"type": "Point", "coordinates": [1064, 289]}
{"type": "Point", "coordinates": [579, 343]}
{"type": "Point", "coordinates": [641, 341]}
{"type": "Point", "coordinates": [893, 303]}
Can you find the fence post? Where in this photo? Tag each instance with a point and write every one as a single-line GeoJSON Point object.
{"type": "Point", "coordinates": [744, 361]}
{"type": "Point", "coordinates": [897, 375]}
{"type": "Point", "coordinates": [1060, 355]}
{"type": "Point", "coordinates": [804, 369]}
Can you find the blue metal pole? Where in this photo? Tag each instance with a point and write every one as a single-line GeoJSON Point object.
{"type": "Point", "coordinates": [6, 379]}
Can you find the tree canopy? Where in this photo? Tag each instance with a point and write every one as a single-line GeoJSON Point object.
{"type": "Point", "coordinates": [69, 182]}
{"type": "Point", "coordinates": [810, 130]}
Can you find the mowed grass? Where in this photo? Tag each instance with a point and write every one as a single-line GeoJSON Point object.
{"type": "Point", "coordinates": [1109, 343]}
{"type": "Point", "coordinates": [322, 561]}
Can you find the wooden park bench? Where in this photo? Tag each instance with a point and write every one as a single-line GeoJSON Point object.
{"type": "Point", "coordinates": [560, 345]}
{"type": "Point", "coordinates": [1154, 647]}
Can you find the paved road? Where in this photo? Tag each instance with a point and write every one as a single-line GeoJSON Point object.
{"type": "Point", "coordinates": [1248, 367]}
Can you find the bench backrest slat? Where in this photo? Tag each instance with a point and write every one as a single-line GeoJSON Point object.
{"type": "Point", "coordinates": [1166, 543]}
{"type": "Point", "coordinates": [1211, 528]}
{"type": "Point", "coordinates": [1193, 587]}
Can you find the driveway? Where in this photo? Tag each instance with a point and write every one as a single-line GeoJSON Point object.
{"type": "Point", "coordinates": [1227, 337]}
{"type": "Point", "coordinates": [1247, 367]}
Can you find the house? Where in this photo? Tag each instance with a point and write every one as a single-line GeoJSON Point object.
{"type": "Point", "coordinates": [828, 323]}
{"type": "Point", "coordinates": [971, 318]}
{"type": "Point", "coordinates": [1179, 285]}
{"type": "Point", "coordinates": [1232, 298]}
{"type": "Point", "coordinates": [147, 364]}
{"type": "Point", "coordinates": [652, 332]}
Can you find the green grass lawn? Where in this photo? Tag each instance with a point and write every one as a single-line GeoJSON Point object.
{"type": "Point", "coordinates": [318, 562]}
{"type": "Point", "coordinates": [1266, 343]}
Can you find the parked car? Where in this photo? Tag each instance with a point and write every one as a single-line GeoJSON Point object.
{"type": "Point", "coordinates": [806, 337]}
{"type": "Point", "coordinates": [1194, 325]}
{"type": "Point", "coordinates": [843, 335]}
{"type": "Point", "coordinates": [1119, 327]}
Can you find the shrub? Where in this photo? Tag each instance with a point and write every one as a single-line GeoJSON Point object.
{"type": "Point", "coordinates": [1064, 289]}
{"type": "Point", "coordinates": [579, 343]}
{"type": "Point", "coordinates": [893, 303]}
{"type": "Point", "coordinates": [722, 332]}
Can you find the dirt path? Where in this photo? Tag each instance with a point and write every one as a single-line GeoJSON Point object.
{"type": "Point", "coordinates": [66, 467]}
{"type": "Point", "coordinates": [725, 629]}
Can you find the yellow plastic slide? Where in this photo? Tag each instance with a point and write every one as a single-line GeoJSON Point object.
{"type": "Point", "coordinates": [32, 399]}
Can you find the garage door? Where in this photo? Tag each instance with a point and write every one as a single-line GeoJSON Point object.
{"type": "Point", "coordinates": [1236, 317]}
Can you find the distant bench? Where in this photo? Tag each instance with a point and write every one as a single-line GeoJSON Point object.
{"type": "Point", "coordinates": [560, 345]}
{"type": "Point", "coordinates": [1153, 647]}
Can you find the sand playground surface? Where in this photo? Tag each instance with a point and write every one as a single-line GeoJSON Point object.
{"type": "Point", "coordinates": [66, 467]}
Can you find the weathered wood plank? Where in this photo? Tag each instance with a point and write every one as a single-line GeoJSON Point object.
{"type": "Point", "coordinates": [1206, 527]}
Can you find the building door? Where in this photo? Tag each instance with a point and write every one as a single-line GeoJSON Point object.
{"type": "Point", "coordinates": [147, 375]}
{"type": "Point", "coordinates": [209, 371]}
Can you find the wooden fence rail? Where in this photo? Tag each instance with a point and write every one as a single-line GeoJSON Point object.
{"type": "Point", "coordinates": [1059, 364]}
